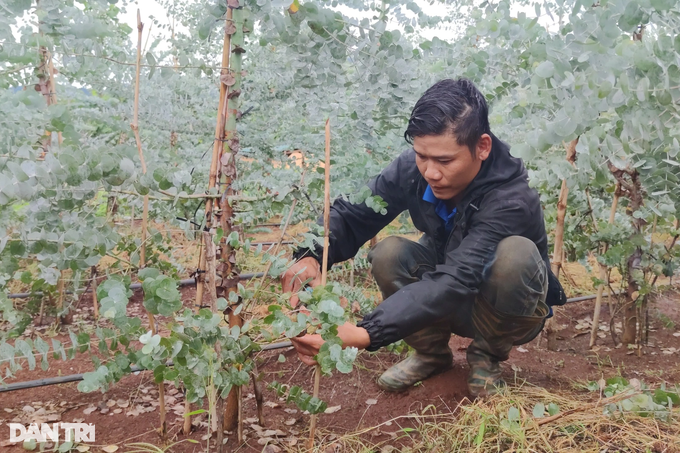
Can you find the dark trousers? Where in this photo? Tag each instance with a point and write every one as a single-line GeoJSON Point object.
{"type": "Point", "coordinates": [510, 307]}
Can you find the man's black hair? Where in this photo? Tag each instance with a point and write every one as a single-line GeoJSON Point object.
{"type": "Point", "coordinates": [450, 106]}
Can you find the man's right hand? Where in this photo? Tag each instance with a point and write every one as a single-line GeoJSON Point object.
{"type": "Point", "coordinates": [305, 269]}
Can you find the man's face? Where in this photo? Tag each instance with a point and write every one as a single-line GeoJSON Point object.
{"type": "Point", "coordinates": [447, 166]}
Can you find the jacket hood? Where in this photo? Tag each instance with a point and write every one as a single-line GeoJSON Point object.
{"type": "Point", "coordinates": [499, 168]}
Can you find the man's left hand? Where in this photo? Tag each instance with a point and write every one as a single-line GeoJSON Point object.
{"type": "Point", "coordinates": [307, 347]}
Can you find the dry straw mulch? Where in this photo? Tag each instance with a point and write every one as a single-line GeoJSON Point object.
{"type": "Point", "coordinates": [482, 426]}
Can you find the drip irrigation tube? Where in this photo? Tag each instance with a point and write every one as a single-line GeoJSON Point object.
{"type": "Point", "coordinates": [185, 282]}
{"type": "Point", "coordinates": [79, 377]}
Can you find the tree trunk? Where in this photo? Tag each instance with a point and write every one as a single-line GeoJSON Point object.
{"type": "Point", "coordinates": [631, 187]}
{"type": "Point", "coordinates": [227, 272]}
{"type": "Point", "coordinates": [218, 143]}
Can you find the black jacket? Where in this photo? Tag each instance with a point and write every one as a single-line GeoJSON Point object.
{"type": "Point", "coordinates": [498, 203]}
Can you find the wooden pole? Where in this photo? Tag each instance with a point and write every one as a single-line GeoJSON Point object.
{"type": "Point", "coordinates": [603, 277]}
{"type": "Point", "coordinates": [142, 254]}
{"type": "Point", "coordinates": [558, 252]}
{"type": "Point", "coordinates": [324, 263]}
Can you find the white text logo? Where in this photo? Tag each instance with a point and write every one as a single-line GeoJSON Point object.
{"type": "Point", "coordinates": [73, 432]}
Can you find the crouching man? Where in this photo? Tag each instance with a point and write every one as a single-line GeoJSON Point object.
{"type": "Point", "coordinates": [481, 269]}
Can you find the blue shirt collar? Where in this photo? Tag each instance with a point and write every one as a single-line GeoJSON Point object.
{"type": "Point", "coordinates": [429, 195]}
{"type": "Point", "coordinates": [440, 208]}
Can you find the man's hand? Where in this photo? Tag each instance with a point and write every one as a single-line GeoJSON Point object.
{"type": "Point", "coordinates": [303, 270]}
{"type": "Point", "coordinates": [307, 347]}
{"type": "Point", "coordinates": [352, 336]}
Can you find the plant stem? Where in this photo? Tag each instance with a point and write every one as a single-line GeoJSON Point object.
{"type": "Point", "coordinates": [312, 422]}
{"type": "Point", "coordinates": [258, 395]}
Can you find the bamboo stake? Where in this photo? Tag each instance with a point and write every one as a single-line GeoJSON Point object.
{"type": "Point", "coordinates": [51, 100]}
{"type": "Point", "coordinates": [60, 299]}
{"type": "Point", "coordinates": [42, 310]}
{"type": "Point", "coordinates": [138, 140]}
{"type": "Point", "coordinates": [558, 252]}
{"type": "Point", "coordinates": [212, 182]}
{"type": "Point", "coordinates": [603, 277]}
{"type": "Point", "coordinates": [210, 277]}
{"type": "Point", "coordinates": [324, 263]}
{"type": "Point", "coordinates": [327, 205]}
{"type": "Point", "coordinates": [142, 254]}
{"type": "Point", "coordinates": [239, 399]}
{"type": "Point", "coordinates": [643, 315]}
{"type": "Point", "coordinates": [95, 302]}
{"type": "Point", "coordinates": [53, 91]}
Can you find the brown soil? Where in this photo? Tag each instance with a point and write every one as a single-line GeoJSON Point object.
{"type": "Point", "coordinates": [562, 370]}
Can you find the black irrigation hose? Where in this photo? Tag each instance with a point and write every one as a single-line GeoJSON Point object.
{"type": "Point", "coordinates": [79, 377]}
{"type": "Point", "coordinates": [184, 282]}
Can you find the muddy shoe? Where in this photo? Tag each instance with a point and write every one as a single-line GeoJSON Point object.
{"type": "Point", "coordinates": [485, 372]}
{"type": "Point", "coordinates": [414, 369]}
{"type": "Point", "coordinates": [484, 382]}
